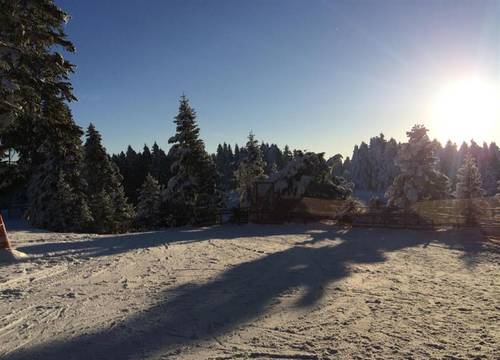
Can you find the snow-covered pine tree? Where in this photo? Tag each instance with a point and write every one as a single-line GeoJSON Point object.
{"type": "Point", "coordinates": [56, 190]}
{"type": "Point", "coordinates": [191, 191]}
{"type": "Point", "coordinates": [148, 208]}
{"type": "Point", "coordinates": [469, 183]}
{"type": "Point", "coordinates": [309, 175]}
{"type": "Point", "coordinates": [419, 178]}
{"type": "Point", "coordinates": [469, 188]}
{"type": "Point", "coordinates": [250, 170]}
{"type": "Point", "coordinates": [106, 197]}
{"type": "Point", "coordinates": [40, 127]}
{"type": "Point", "coordinates": [33, 76]}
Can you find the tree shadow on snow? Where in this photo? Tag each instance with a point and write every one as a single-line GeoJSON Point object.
{"type": "Point", "coordinates": [104, 245]}
{"type": "Point", "coordinates": [195, 312]}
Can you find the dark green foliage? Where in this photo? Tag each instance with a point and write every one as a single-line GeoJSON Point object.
{"type": "Point", "coordinates": [225, 163]}
{"type": "Point", "coordinates": [134, 168]}
{"type": "Point", "coordinates": [106, 197]}
{"type": "Point", "coordinates": [150, 202]}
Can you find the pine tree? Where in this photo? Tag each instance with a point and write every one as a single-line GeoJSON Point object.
{"type": "Point", "coordinates": [149, 206]}
{"type": "Point", "coordinates": [60, 171]}
{"type": "Point", "coordinates": [250, 170]}
{"type": "Point", "coordinates": [33, 76]}
{"type": "Point", "coordinates": [308, 174]}
{"type": "Point", "coordinates": [447, 160]}
{"type": "Point", "coordinates": [287, 155]}
{"type": "Point", "coordinates": [191, 192]}
{"type": "Point", "coordinates": [469, 188]}
{"type": "Point", "coordinates": [107, 201]}
{"type": "Point", "coordinates": [36, 121]}
{"type": "Point", "coordinates": [160, 165]}
{"type": "Point", "coordinates": [419, 178]}
{"type": "Point", "coordinates": [469, 183]}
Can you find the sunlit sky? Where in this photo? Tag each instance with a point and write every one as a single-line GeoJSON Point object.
{"type": "Point", "coordinates": [317, 75]}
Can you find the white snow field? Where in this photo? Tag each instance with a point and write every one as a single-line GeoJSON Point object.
{"type": "Point", "coordinates": [293, 291]}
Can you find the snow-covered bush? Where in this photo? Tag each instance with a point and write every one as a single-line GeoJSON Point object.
{"type": "Point", "coordinates": [309, 175]}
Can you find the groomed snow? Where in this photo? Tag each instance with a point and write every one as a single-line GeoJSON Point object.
{"type": "Point", "coordinates": [293, 291]}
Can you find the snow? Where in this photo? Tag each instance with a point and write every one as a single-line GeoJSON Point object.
{"type": "Point", "coordinates": [295, 291]}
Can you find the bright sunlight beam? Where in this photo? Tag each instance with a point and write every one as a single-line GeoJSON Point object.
{"type": "Point", "coordinates": [467, 109]}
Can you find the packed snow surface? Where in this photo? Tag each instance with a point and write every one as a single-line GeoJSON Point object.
{"type": "Point", "coordinates": [292, 291]}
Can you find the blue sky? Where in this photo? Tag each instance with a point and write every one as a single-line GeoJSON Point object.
{"type": "Point", "coordinates": [317, 75]}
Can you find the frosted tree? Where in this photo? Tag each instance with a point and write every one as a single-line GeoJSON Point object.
{"type": "Point", "coordinates": [60, 171]}
{"type": "Point", "coordinates": [420, 178]}
{"type": "Point", "coordinates": [361, 167]}
{"type": "Point", "coordinates": [250, 170]}
{"type": "Point", "coordinates": [35, 120]}
{"type": "Point", "coordinates": [106, 197]}
{"type": "Point", "coordinates": [469, 188]}
{"type": "Point", "coordinates": [389, 169]}
{"type": "Point", "coordinates": [33, 76]}
{"type": "Point", "coordinates": [150, 201]}
{"type": "Point", "coordinates": [309, 175]}
{"type": "Point", "coordinates": [469, 183]}
{"type": "Point", "coordinates": [191, 194]}
{"type": "Point", "coordinates": [447, 162]}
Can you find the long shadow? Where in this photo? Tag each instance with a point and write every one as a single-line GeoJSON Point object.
{"type": "Point", "coordinates": [196, 312]}
{"type": "Point", "coordinates": [103, 245]}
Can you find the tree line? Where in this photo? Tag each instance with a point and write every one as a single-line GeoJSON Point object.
{"type": "Point", "coordinates": [373, 166]}
{"type": "Point", "coordinates": [70, 185]}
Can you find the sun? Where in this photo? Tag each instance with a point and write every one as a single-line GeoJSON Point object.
{"type": "Point", "coordinates": [467, 109]}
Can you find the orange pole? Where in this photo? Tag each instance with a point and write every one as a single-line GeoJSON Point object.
{"type": "Point", "coordinates": [4, 239]}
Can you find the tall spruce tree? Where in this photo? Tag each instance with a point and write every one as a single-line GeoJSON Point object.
{"type": "Point", "coordinates": [149, 206]}
{"type": "Point", "coordinates": [251, 168]}
{"type": "Point", "coordinates": [33, 76]}
{"type": "Point", "coordinates": [469, 183]}
{"type": "Point", "coordinates": [420, 178]}
{"type": "Point", "coordinates": [35, 120]}
{"type": "Point", "coordinates": [191, 194]}
{"type": "Point", "coordinates": [106, 197]}
{"type": "Point", "coordinates": [56, 190]}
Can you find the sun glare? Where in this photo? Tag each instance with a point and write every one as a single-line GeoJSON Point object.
{"type": "Point", "coordinates": [467, 109]}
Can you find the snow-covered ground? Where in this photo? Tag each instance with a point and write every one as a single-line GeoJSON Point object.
{"type": "Point", "coordinates": [255, 291]}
